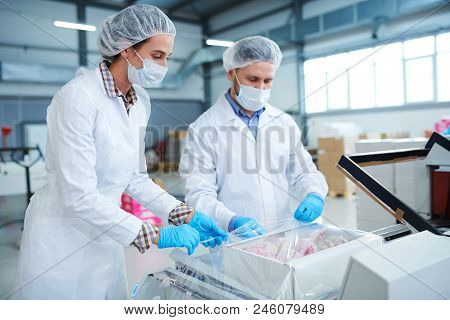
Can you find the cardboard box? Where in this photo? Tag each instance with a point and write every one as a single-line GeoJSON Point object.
{"type": "Point", "coordinates": [330, 151]}
{"type": "Point", "coordinates": [355, 166]}
{"type": "Point", "coordinates": [308, 277]}
{"type": "Point", "coordinates": [412, 179]}
{"type": "Point", "coordinates": [328, 158]}
{"type": "Point", "coordinates": [383, 135]}
{"type": "Point", "coordinates": [331, 170]}
{"type": "Point", "coordinates": [406, 180]}
{"type": "Point", "coordinates": [410, 143]}
{"type": "Point", "coordinates": [340, 185]}
{"type": "Point", "coordinates": [367, 208]}
{"type": "Point", "coordinates": [336, 181]}
{"type": "Point", "coordinates": [344, 145]}
{"type": "Point", "coordinates": [175, 144]}
{"type": "Point", "coordinates": [373, 145]}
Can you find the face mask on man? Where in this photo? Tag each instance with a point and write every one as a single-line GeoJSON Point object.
{"type": "Point", "coordinates": [149, 76]}
{"type": "Point", "coordinates": [250, 98]}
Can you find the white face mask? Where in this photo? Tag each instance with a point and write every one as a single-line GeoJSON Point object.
{"type": "Point", "coordinates": [151, 75]}
{"type": "Point", "coordinates": [251, 98]}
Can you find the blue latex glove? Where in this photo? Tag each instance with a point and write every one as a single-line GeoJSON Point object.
{"type": "Point", "coordinates": [183, 236]}
{"type": "Point", "coordinates": [210, 233]}
{"type": "Point", "coordinates": [310, 208]}
{"type": "Point", "coordinates": [446, 132]}
{"type": "Point", "coordinates": [245, 227]}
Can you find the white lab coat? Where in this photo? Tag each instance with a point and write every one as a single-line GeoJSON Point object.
{"type": "Point", "coordinates": [229, 173]}
{"type": "Point", "coordinates": [75, 232]}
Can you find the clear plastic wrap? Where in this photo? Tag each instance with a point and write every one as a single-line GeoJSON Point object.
{"type": "Point", "coordinates": [291, 245]}
{"type": "Point", "coordinates": [292, 260]}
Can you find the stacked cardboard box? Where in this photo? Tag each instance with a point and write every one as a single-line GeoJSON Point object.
{"type": "Point", "coordinates": [383, 135]}
{"type": "Point", "coordinates": [175, 145]}
{"type": "Point", "coordinates": [330, 151]}
{"type": "Point", "coordinates": [412, 179]}
{"type": "Point", "coordinates": [370, 215]}
{"type": "Point", "coordinates": [408, 181]}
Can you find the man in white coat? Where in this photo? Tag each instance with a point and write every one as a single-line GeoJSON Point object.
{"type": "Point", "coordinates": [243, 156]}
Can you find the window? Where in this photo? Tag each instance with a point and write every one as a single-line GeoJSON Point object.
{"type": "Point", "coordinates": [389, 75]}
{"type": "Point", "coordinates": [418, 47]}
{"type": "Point", "coordinates": [418, 55]}
{"type": "Point", "coordinates": [412, 71]}
{"type": "Point", "coordinates": [315, 91]}
{"type": "Point", "coordinates": [337, 81]}
{"type": "Point", "coordinates": [419, 79]}
{"type": "Point", "coordinates": [443, 76]}
{"type": "Point", "coordinates": [315, 85]}
{"type": "Point", "coordinates": [443, 66]}
{"type": "Point", "coordinates": [362, 79]}
{"type": "Point", "coordinates": [443, 42]}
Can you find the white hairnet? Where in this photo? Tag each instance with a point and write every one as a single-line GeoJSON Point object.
{"type": "Point", "coordinates": [250, 50]}
{"type": "Point", "coordinates": [130, 26]}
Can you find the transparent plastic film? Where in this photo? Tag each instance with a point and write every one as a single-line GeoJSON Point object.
{"type": "Point", "coordinates": [268, 259]}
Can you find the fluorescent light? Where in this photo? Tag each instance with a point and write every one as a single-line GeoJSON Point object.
{"type": "Point", "coordinates": [76, 26]}
{"type": "Point", "coordinates": [219, 43]}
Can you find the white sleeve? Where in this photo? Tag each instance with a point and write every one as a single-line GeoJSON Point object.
{"type": "Point", "coordinates": [301, 171]}
{"type": "Point", "coordinates": [71, 124]}
{"type": "Point", "coordinates": [198, 169]}
{"type": "Point", "coordinates": [142, 189]}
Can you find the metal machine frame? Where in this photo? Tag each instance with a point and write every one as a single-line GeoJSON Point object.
{"type": "Point", "coordinates": [352, 167]}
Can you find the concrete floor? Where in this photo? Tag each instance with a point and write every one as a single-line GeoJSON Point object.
{"type": "Point", "coordinates": [338, 211]}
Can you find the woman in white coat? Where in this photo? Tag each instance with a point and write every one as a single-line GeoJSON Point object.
{"type": "Point", "coordinates": [75, 232]}
{"type": "Point", "coordinates": [243, 157]}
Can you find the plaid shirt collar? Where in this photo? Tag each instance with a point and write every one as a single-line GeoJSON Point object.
{"type": "Point", "coordinates": [130, 98]}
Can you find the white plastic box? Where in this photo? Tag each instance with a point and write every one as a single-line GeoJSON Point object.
{"type": "Point", "coordinates": [412, 267]}
{"type": "Point", "coordinates": [309, 277]}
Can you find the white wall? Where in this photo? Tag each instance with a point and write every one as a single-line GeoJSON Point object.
{"type": "Point", "coordinates": [34, 26]}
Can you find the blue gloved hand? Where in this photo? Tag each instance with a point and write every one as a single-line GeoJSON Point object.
{"type": "Point", "coordinates": [245, 227]}
{"type": "Point", "coordinates": [211, 235]}
{"type": "Point", "coordinates": [310, 208]}
{"type": "Point", "coordinates": [183, 236]}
